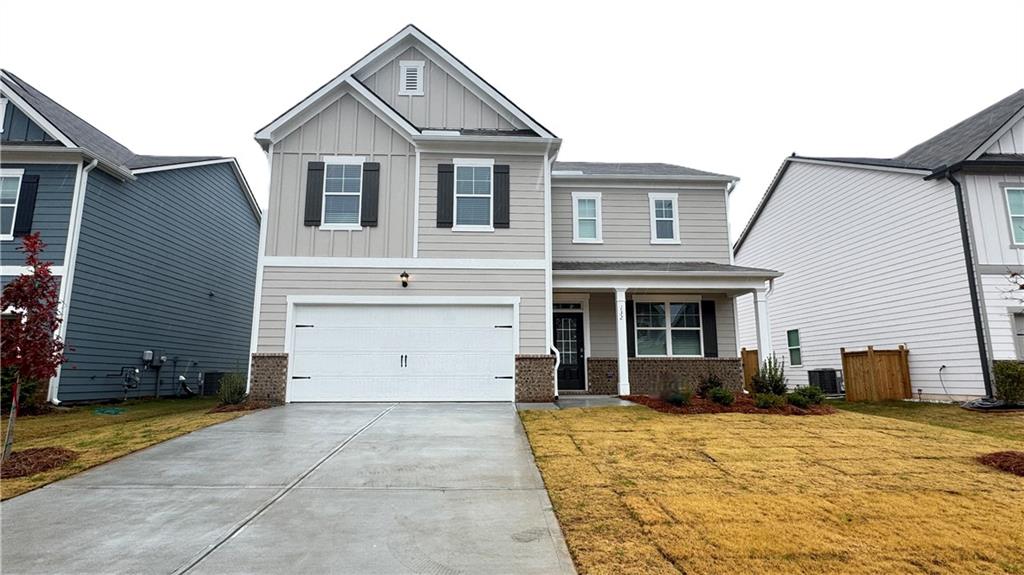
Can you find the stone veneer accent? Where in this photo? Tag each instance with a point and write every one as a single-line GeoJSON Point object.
{"type": "Point", "coordinates": [535, 378]}
{"type": "Point", "coordinates": [268, 377]}
{"type": "Point", "coordinates": [651, 375]}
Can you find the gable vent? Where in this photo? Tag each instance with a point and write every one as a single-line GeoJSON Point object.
{"type": "Point", "coordinates": [411, 78]}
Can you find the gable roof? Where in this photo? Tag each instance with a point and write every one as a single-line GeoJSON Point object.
{"type": "Point", "coordinates": [265, 134]}
{"type": "Point", "coordinates": [598, 169]}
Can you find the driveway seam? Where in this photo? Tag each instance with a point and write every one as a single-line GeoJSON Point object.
{"type": "Point", "coordinates": [196, 560]}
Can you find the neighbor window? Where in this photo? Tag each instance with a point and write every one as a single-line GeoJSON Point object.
{"type": "Point", "coordinates": [343, 184]}
{"type": "Point", "coordinates": [586, 216]}
{"type": "Point", "coordinates": [793, 341]}
{"type": "Point", "coordinates": [664, 218]}
{"type": "Point", "coordinates": [10, 184]}
{"type": "Point", "coordinates": [474, 191]}
{"type": "Point", "coordinates": [1015, 203]}
{"type": "Point", "coordinates": [668, 328]}
{"type": "Point", "coordinates": [411, 78]}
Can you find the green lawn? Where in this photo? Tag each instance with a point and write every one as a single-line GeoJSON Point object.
{"type": "Point", "coordinates": [952, 416]}
{"type": "Point", "coordinates": [100, 438]}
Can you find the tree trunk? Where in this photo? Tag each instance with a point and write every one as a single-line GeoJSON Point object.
{"type": "Point", "coordinates": [9, 438]}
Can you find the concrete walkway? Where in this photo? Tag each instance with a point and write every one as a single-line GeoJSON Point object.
{"type": "Point", "coordinates": [313, 488]}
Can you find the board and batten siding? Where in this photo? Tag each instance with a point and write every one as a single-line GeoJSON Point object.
{"type": "Point", "coordinates": [869, 258]}
{"type": "Point", "coordinates": [165, 263]}
{"type": "Point", "coordinates": [523, 239]}
{"type": "Point", "coordinates": [446, 103]}
{"type": "Point", "coordinates": [1002, 301]}
{"type": "Point", "coordinates": [344, 128]}
{"type": "Point", "coordinates": [280, 282]}
{"type": "Point", "coordinates": [626, 226]}
{"type": "Point", "coordinates": [1011, 142]}
{"type": "Point", "coordinates": [21, 129]}
{"type": "Point", "coordinates": [990, 218]}
{"type": "Point", "coordinates": [52, 212]}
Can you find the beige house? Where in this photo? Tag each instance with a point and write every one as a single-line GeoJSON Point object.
{"type": "Point", "coordinates": [421, 243]}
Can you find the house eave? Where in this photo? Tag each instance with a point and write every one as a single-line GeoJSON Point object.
{"type": "Point", "coordinates": [24, 153]}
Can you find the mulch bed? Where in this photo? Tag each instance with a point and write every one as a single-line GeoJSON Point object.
{"type": "Point", "coordinates": [244, 406]}
{"type": "Point", "coordinates": [742, 404]}
{"type": "Point", "coordinates": [36, 460]}
{"type": "Point", "coordinates": [1008, 461]}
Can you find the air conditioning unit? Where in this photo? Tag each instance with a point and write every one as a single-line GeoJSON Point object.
{"type": "Point", "coordinates": [827, 380]}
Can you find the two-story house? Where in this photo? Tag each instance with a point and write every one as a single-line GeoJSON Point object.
{"type": "Point", "coordinates": [156, 255]}
{"type": "Point", "coordinates": [422, 243]}
{"type": "Point", "coordinates": [917, 250]}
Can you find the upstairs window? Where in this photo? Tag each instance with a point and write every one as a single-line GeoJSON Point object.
{"type": "Point", "coordinates": [411, 78]}
{"type": "Point", "coordinates": [1015, 204]}
{"type": "Point", "coordinates": [343, 184]}
{"type": "Point", "coordinates": [474, 193]}
{"type": "Point", "coordinates": [586, 217]}
{"type": "Point", "coordinates": [664, 218]}
{"type": "Point", "coordinates": [793, 342]}
{"type": "Point", "coordinates": [10, 184]}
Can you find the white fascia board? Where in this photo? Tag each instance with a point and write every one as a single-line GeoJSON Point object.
{"type": "Point", "coordinates": [406, 263]}
{"type": "Point", "coordinates": [876, 167]}
{"type": "Point", "coordinates": [400, 300]}
{"type": "Point", "coordinates": [762, 276]}
{"type": "Point", "coordinates": [562, 177]}
{"type": "Point", "coordinates": [35, 116]}
{"type": "Point", "coordinates": [704, 283]}
{"type": "Point", "coordinates": [181, 166]}
{"type": "Point", "coordinates": [253, 204]}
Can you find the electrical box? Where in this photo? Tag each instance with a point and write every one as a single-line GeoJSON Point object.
{"type": "Point", "coordinates": [147, 356]}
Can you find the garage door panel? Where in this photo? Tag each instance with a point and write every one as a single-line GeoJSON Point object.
{"type": "Point", "coordinates": [400, 340]}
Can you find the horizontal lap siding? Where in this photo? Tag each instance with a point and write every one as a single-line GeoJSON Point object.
{"type": "Point", "coordinates": [343, 128]}
{"type": "Point", "coordinates": [280, 282]}
{"type": "Point", "coordinates": [626, 227]}
{"type": "Point", "coordinates": [52, 212]}
{"type": "Point", "coordinates": [990, 219]}
{"type": "Point", "coordinates": [869, 258]}
{"type": "Point", "coordinates": [150, 254]}
{"type": "Point", "coordinates": [524, 238]}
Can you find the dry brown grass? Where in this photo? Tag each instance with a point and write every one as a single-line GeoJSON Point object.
{"type": "Point", "coordinates": [638, 491]}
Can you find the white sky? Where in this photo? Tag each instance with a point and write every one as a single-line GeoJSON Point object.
{"type": "Point", "coordinates": [730, 87]}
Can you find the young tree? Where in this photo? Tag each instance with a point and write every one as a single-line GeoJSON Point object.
{"type": "Point", "coordinates": [29, 345]}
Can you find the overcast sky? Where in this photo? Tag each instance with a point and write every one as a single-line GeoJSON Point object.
{"type": "Point", "coordinates": [730, 87]}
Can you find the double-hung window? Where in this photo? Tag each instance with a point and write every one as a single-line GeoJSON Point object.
{"type": "Point", "coordinates": [793, 342]}
{"type": "Point", "coordinates": [343, 184]}
{"type": "Point", "coordinates": [664, 218]}
{"type": "Point", "coordinates": [586, 217]}
{"type": "Point", "coordinates": [1015, 205]}
{"type": "Point", "coordinates": [474, 195]}
{"type": "Point", "coordinates": [668, 328]}
{"type": "Point", "coordinates": [10, 185]}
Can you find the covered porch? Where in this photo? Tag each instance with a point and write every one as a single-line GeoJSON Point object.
{"type": "Point", "coordinates": [623, 328]}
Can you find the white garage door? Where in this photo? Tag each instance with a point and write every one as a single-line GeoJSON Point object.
{"type": "Point", "coordinates": [402, 353]}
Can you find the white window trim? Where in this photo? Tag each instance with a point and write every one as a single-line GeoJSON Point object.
{"type": "Point", "coordinates": [13, 173]}
{"type": "Point", "coordinates": [576, 197]}
{"type": "Point", "coordinates": [3, 112]}
{"type": "Point", "coordinates": [1010, 214]}
{"type": "Point", "coordinates": [790, 348]}
{"type": "Point", "coordinates": [651, 197]}
{"type": "Point", "coordinates": [343, 161]}
{"type": "Point", "coordinates": [667, 302]}
{"type": "Point", "coordinates": [404, 65]}
{"type": "Point", "coordinates": [476, 163]}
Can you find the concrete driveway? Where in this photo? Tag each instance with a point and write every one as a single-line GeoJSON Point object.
{"type": "Point", "coordinates": [307, 488]}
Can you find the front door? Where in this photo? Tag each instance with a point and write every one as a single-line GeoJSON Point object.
{"type": "Point", "coordinates": [569, 341]}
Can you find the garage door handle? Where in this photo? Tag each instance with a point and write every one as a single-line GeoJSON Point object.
{"type": "Point", "coordinates": [302, 377]}
{"type": "Point", "coordinates": [503, 326]}
{"type": "Point", "coordinates": [303, 325]}
{"type": "Point", "coordinates": [503, 377]}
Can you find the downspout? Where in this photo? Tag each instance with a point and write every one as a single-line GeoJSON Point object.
{"type": "Point", "coordinates": [972, 282]}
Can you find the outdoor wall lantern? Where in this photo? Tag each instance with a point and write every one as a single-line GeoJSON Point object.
{"type": "Point", "coordinates": [405, 279]}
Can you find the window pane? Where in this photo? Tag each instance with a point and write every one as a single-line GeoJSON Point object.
{"type": "Point", "coordinates": [650, 342]}
{"type": "Point", "coordinates": [685, 342]}
{"type": "Point", "coordinates": [8, 190]}
{"type": "Point", "coordinates": [686, 314]}
{"type": "Point", "coordinates": [663, 208]}
{"type": "Point", "coordinates": [335, 170]}
{"type": "Point", "coordinates": [341, 209]}
{"type": "Point", "coordinates": [588, 229]}
{"type": "Point", "coordinates": [650, 314]}
{"type": "Point", "coordinates": [464, 187]}
{"type": "Point", "coordinates": [1016, 198]}
{"type": "Point", "coordinates": [665, 229]}
{"type": "Point", "coordinates": [586, 208]}
{"type": "Point", "coordinates": [793, 337]}
{"type": "Point", "coordinates": [794, 356]}
{"type": "Point", "coordinates": [352, 170]}
{"type": "Point", "coordinates": [7, 220]}
{"type": "Point", "coordinates": [482, 173]}
{"type": "Point", "coordinates": [473, 211]}
{"type": "Point", "coordinates": [350, 185]}
{"type": "Point", "coordinates": [333, 185]}
{"type": "Point", "coordinates": [1018, 229]}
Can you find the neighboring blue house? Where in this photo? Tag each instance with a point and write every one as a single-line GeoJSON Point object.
{"type": "Point", "coordinates": [155, 253]}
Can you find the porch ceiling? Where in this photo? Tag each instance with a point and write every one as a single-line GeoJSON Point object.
{"type": "Point", "coordinates": [679, 275]}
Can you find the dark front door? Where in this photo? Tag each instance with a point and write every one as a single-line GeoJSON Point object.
{"type": "Point", "coordinates": [569, 341]}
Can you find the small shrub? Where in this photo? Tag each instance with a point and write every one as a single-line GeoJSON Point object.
{"type": "Point", "coordinates": [769, 400]}
{"type": "Point", "coordinates": [232, 389]}
{"type": "Point", "coordinates": [798, 400]}
{"type": "Point", "coordinates": [676, 397]}
{"type": "Point", "coordinates": [770, 377]}
{"type": "Point", "coordinates": [1009, 381]}
{"type": "Point", "coordinates": [26, 391]}
{"type": "Point", "coordinates": [812, 394]}
{"type": "Point", "coordinates": [709, 383]}
{"type": "Point", "coordinates": [721, 396]}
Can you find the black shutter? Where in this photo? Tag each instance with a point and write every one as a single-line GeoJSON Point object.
{"type": "Point", "coordinates": [26, 205]}
{"type": "Point", "coordinates": [501, 197]}
{"type": "Point", "coordinates": [314, 193]}
{"type": "Point", "coordinates": [445, 194]}
{"type": "Point", "coordinates": [371, 194]}
{"type": "Point", "coordinates": [630, 330]}
{"type": "Point", "coordinates": [709, 327]}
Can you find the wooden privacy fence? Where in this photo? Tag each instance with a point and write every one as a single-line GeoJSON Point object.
{"type": "Point", "coordinates": [876, 375]}
{"type": "Point", "coordinates": [750, 365]}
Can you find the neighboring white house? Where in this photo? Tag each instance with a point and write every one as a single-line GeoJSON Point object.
{"type": "Point", "coordinates": [917, 250]}
{"type": "Point", "coordinates": [421, 243]}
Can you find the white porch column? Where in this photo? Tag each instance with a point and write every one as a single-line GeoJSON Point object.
{"type": "Point", "coordinates": [764, 329]}
{"type": "Point", "coordinates": [620, 332]}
